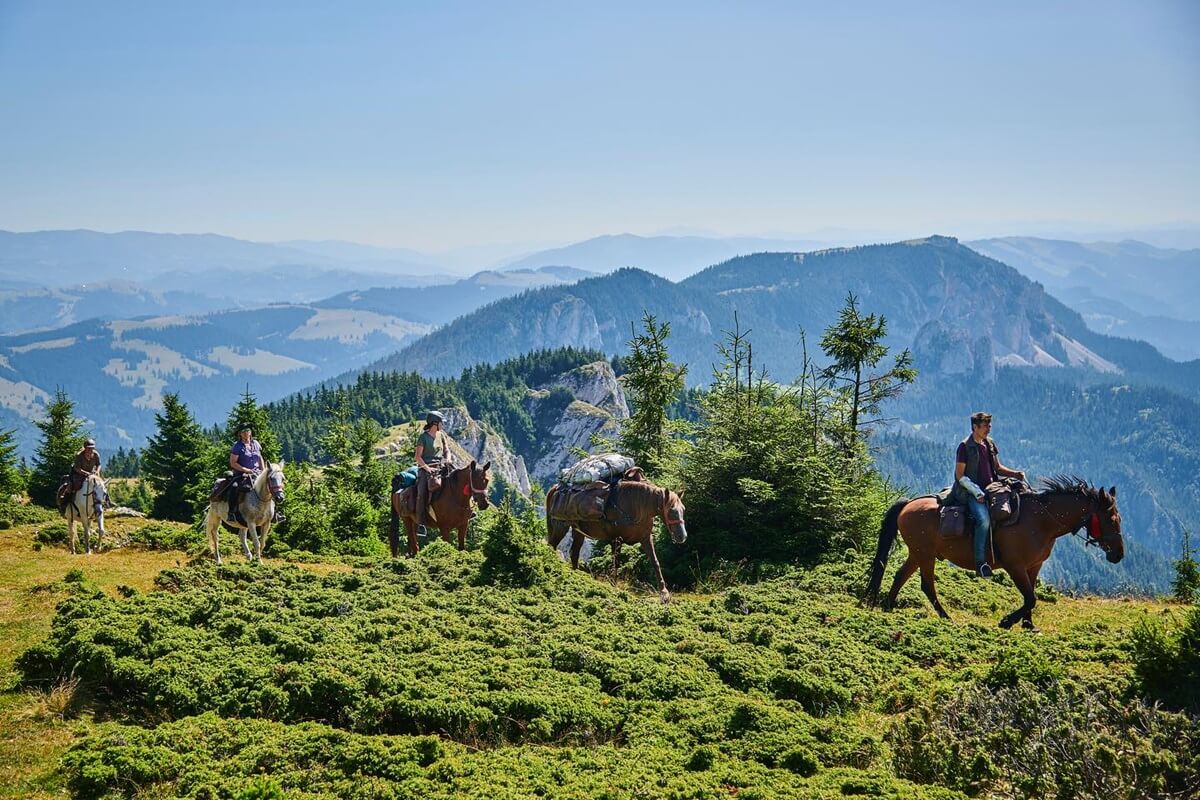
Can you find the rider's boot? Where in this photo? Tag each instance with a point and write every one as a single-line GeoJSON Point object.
{"type": "Point", "coordinates": [982, 569]}
{"type": "Point", "coordinates": [231, 499]}
{"type": "Point", "coordinates": [422, 502]}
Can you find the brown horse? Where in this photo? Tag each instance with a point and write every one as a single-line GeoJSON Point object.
{"type": "Point", "coordinates": [1066, 505]}
{"type": "Point", "coordinates": [451, 507]}
{"type": "Point", "coordinates": [637, 503]}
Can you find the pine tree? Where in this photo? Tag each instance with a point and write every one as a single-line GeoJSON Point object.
{"type": "Point", "coordinates": [653, 384]}
{"type": "Point", "coordinates": [175, 462]}
{"type": "Point", "coordinates": [62, 438]}
{"type": "Point", "coordinates": [11, 481]}
{"type": "Point", "coordinates": [1186, 585]}
{"type": "Point", "coordinates": [248, 411]}
{"type": "Point", "coordinates": [855, 343]}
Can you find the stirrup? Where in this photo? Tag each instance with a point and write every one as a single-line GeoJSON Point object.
{"type": "Point", "coordinates": [983, 571]}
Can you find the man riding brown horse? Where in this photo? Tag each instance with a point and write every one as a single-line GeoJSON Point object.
{"type": "Point", "coordinates": [976, 465]}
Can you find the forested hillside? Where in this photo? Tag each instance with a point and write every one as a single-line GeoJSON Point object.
{"type": "Point", "coordinates": [495, 394]}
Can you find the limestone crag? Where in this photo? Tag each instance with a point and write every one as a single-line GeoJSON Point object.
{"type": "Point", "coordinates": [597, 385]}
{"type": "Point", "coordinates": [563, 431]}
{"type": "Point", "coordinates": [483, 445]}
{"type": "Point", "coordinates": [572, 432]}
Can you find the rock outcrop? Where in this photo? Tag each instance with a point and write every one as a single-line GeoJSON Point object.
{"type": "Point", "coordinates": [483, 444]}
{"type": "Point", "coordinates": [597, 408]}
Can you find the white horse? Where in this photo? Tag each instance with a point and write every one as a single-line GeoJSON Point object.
{"type": "Point", "coordinates": [86, 505]}
{"type": "Point", "coordinates": [257, 508]}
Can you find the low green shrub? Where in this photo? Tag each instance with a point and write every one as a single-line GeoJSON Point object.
{"type": "Point", "coordinates": [1058, 740]}
{"type": "Point", "coordinates": [1166, 661]}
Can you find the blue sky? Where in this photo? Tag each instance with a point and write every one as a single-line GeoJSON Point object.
{"type": "Point", "coordinates": [438, 125]}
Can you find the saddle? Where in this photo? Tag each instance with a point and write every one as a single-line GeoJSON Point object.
{"type": "Point", "coordinates": [405, 484]}
{"type": "Point", "coordinates": [223, 484]}
{"type": "Point", "coordinates": [1003, 502]}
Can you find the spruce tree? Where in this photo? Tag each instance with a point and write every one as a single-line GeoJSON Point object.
{"type": "Point", "coordinates": [247, 410]}
{"type": "Point", "coordinates": [855, 343]}
{"type": "Point", "coordinates": [1186, 585]}
{"type": "Point", "coordinates": [11, 481]}
{"type": "Point", "coordinates": [62, 438]}
{"type": "Point", "coordinates": [653, 384]}
{"type": "Point", "coordinates": [175, 462]}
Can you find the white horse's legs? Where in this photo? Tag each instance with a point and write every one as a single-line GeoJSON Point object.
{"type": "Point", "coordinates": [73, 536]}
{"type": "Point", "coordinates": [245, 545]}
{"type": "Point", "coordinates": [257, 543]}
{"type": "Point", "coordinates": [212, 523]}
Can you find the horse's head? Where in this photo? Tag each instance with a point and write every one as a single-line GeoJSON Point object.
{"type": "Point", "coordinates": [275, 481]}
{"type": "Point", "coordinates": [1104, 525]}
{"type": "Point", "coordinates": [672, 515]}
{"type": "Point", "coordinates": [477, 482]}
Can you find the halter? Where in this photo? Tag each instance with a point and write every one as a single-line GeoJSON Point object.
{"type": "Point", "coordinates": [88, 491]}
{"type": "Point", "coordinates": [469, 489]}
{"type": "Point", "coordinates": [666, 509]}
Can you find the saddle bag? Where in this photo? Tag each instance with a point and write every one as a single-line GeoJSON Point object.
{"type": "Point", "coordinates": [580, 502]}
{"type": "Point", "coordinates": [952, 521]}
{"type": "Point", "coordinates": [1002, 502]}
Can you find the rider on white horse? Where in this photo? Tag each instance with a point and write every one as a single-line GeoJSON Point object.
{"type": "Point", "coordinates": [246, 461]}
{"type": "Point", "coordinates": [87, 463]}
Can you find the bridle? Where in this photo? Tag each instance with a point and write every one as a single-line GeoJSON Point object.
{"type": "Point", "coordinates": [1091, 522]}
{"type": "Point", "coordinates": [471, 490]}
{"type": "Point", "coordinates": [666, 512]}
{"type": "Point", "coordinates": [89, 488]}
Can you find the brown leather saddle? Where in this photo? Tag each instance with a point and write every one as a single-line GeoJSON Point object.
{"type": "Point", "coordinates": [1003, 502]}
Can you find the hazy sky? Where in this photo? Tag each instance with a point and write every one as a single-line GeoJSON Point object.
{"type": "Point", "coordinates": [435, 125]}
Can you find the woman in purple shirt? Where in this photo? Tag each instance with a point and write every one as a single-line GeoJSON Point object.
{"type": "Point", "coordinates": [245, 459]}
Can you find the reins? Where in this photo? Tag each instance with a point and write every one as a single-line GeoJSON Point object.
{"type": "Point", "coordinates": [1092, 522]}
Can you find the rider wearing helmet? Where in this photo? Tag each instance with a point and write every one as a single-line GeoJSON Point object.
{"type": "Point", "coordinates": [431, 453]}
{"type": "Point", "coordinates": [87, 462]}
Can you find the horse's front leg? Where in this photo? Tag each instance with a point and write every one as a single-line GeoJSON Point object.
{"type": "Point", "coordinates": [72, 533]}
{"type": "Point", "coordinates": [245, 547]}
{"type": "Point", "coordinates": [616, 553]}
{"type": "Point", "coordinates": [257, 542]}
{"type": "Point", "coordinates": [87, 535]}
{"type": "Point", "coordinates": [462, 536]}
{"type": "Point", "coordinates": [445, 532]}
{"type": "Point", "coordinates": [663, 594]}
{"type": "Point", "coordinates": [99, 528]}
{"type": "Point", "coordinates": [263, 530]}
{"type": "Point", "coordinates": [1021, 579]}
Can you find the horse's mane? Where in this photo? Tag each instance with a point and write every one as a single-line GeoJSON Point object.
{"type": "Point", "coordinates": [1070, 484]}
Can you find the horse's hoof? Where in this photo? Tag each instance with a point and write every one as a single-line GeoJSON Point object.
{"type": "Point", "coordinates": [664, 596]}
{"type": "Point", "coordinates": [1007, 623]}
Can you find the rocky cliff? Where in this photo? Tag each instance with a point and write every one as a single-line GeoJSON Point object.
{"type": "Point", "coordinates": [597, 408]}
{"type": "Point", "coordinates": [470, 440]}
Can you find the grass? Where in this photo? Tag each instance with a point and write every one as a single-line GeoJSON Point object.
{"type": "Point", "coordinates": [38, 726]}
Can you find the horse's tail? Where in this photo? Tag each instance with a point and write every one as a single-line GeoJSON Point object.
{"type": "Point", "coordinates": [887, 537]}
{"type": "Point", "coordinates": [394, 528]}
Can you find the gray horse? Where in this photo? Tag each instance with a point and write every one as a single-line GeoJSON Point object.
{"type": "Point", "coordinates": [256, 507]}
{"type": "Point", "coordinates": [87, 505]}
